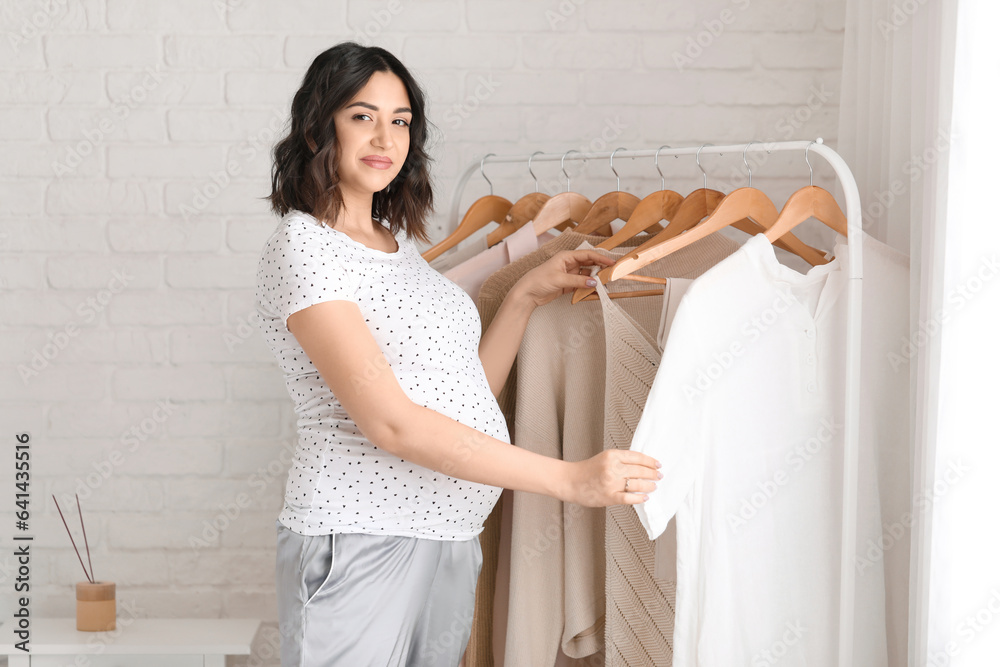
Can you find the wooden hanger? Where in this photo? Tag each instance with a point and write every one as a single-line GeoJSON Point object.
{"type": "Point", "coordinates": [739, 204]}
{"type": "Point", "coordinates": [563, 211]}
{"type": "Point", "coordinates": [808, 202]}
{"type": "Point", "coordinates": [661, 205]}
{"type": "Point", "coordinates": [695, 207]}
{"type": "Point", "coordinates": [615, 205]}
{"type": "Point", "coordinates": [524, 210]}
{"type": "Point", "coordinates": [759, 214]}
{"type": "Point", "coordinates": [483, 211]}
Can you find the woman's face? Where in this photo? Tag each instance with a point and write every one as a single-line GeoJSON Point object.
{"type": "Point", "coordinates": [373, 134]}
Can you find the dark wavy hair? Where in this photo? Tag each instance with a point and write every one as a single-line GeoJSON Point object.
{"type": "Point", "coordinates": [304, 173]}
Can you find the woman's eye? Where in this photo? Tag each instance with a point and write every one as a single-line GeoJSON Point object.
{"type": "Point", "coordinates": [362, 116]}
{"type": "Point", "coordinates": [402, 122]}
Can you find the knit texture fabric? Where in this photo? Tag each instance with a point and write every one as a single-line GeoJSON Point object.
{"type": "Point", "coordinates": [639, 620]}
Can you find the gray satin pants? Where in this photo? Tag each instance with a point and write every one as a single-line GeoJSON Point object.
{"type": "Point", "coordinates": [360, 600]}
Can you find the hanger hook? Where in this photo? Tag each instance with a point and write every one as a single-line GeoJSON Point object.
{"type": "Point", "coordinates": [697, 158]}
{"type": "Point", "coordinates": [619, 186]}
{"type": "Point", "coordinates": [749, 172]}
{"type": "Point", "coordinates": [656, 161]}
{"type": "Point", "coordinates": [529, 168]}
{"type": "Point", "coordinates": [562, 165]}
{"type": "Point", "coordinates": [809, 163]}
{"type": "Point", "coordinates": [483, 173]}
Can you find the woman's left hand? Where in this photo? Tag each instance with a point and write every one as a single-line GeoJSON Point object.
{"type": "Point", "coordinates": [564, 272]}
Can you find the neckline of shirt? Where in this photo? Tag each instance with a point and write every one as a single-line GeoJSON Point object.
{"type": "Point", "coordinates": [399, 236]}
{"type": "Point", "coordinates": [760, 248]}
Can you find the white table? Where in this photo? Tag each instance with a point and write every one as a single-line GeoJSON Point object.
{"type": "Point", "coordinates": [136, 642]}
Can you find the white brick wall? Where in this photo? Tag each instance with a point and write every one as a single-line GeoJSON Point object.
{"type": "Point", "coordinates": [136, 138]}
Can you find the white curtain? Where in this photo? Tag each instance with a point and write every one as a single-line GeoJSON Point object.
{"type": "Point", "coordinates": [960, 550]}
{"type": "Point", "coordinates": [917, 127]}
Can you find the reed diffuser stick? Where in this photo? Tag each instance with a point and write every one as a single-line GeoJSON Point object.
{"type": "Point", "coordinates": [72, 541]}
{"type": "Point", "coordinates": [85, 543]}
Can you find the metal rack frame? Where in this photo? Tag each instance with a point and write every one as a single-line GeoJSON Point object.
{"type": "Point", "coordinates": [852, 406]}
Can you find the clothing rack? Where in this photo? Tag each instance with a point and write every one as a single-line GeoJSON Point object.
{"type": "Point", "coordinates": [852, 407]}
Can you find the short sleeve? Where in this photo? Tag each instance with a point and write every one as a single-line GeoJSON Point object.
{"type": "Point", "coordinates": [299, 268]}
{"type": "Point", "coordinates": [671, 428]}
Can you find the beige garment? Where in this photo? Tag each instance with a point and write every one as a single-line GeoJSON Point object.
{"type": "Point", "coordinates": [557, 576]}
{"type": "Point", "coordinates": [640, 576]}
{"type": "Point", "coordinates": [483, 650]}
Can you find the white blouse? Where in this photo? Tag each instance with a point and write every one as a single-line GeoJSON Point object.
{"type": "Point", "coordinates": [746, 415]}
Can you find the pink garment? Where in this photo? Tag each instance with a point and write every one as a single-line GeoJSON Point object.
{"type": "Point", "coordinates": [473, 272]}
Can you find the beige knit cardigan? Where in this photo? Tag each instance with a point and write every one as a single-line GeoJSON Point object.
{"type": "Point", "coordinates": [639, 617]}
{"type": "Point", "coordinates": [479, 652]}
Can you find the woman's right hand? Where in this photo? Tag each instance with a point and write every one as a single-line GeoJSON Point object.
{"type": "Point", "coordinates": [600, 480]}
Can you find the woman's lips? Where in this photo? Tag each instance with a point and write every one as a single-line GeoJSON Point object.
{"type": "Point", "coordinates": [377, 162]}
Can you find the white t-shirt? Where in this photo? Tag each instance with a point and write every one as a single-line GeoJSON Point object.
{"type": "Point", "coordinates": [428, 328]}
{"type": "Point", "coordinates": [746, 416]}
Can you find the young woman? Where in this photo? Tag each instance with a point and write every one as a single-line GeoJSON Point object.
{"type": "Point", "coordinates": [402, 448]}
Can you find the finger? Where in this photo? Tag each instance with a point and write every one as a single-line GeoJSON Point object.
{"type": "Point", "coordinates": [642, 472]}
{"type": "Point", "coordinates": [577, 281]}
{"type": "Point", "coordinates": [641, 459]}
{"type": "Point", "coordinates": [640, 486]}
{"type": "Point", "coordinates": [590, 258]}
{"type": "Point", "coordinates": [573, 282]}
{"type": "Point", "coordinates": [629, 463]}
{"type": "Point", "coordinates": [631, 498]}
